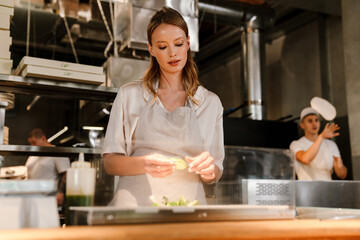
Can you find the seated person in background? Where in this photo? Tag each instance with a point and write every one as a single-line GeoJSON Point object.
{"type": "Point", "coordinates": [47, 167]}
{"type": "Point", "coordinates": [316, 156]}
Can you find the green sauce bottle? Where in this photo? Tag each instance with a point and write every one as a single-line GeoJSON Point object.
{"type": "Point", "coordinates": [80, 185]}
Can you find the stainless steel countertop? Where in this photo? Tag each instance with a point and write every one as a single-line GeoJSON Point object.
{"type": "Point", "coordinates": [27, 150]}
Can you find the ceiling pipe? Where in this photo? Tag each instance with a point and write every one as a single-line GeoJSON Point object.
{"type": "Point", "coordinates": [228, 14]}
{"type": "Point", "coordinates": [251, 21]}
{"type": "Point", "coordinates": [235, 13]}
{"type": "Point", "coordinates": [253, 55]}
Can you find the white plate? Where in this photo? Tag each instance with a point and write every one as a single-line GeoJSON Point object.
{"type": "Point", "coordinates": [322, 106]}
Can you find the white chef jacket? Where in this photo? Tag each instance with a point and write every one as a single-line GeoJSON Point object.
{"type": "Point", "coordinates": [130, 102]}
{"type": "Point", "coordinates": [46, 167]}
{"type": "Point", "coordinates": [321, 167]}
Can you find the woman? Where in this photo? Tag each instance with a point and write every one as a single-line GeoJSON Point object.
{"type": "Point", "coordinates": [166, 115]}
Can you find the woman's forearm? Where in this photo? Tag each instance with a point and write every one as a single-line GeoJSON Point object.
{"type": "Point", "coordinates": [116, 164]}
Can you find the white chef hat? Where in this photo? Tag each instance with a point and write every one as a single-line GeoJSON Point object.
{"type": "Point", "coordinates": [308, 111]}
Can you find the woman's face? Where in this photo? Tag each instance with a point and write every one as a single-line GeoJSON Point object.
{"type": "Point", "coordinates": [169, 47]}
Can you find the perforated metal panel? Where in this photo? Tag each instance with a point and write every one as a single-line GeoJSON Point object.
{"type": "Point", "coordinates": [268, 192]}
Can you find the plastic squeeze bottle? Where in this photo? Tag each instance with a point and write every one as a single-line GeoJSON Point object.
{"type": "Point", "coordinates": [80, 184]}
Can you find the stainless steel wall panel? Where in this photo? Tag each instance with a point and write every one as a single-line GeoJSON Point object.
{"type": "Point", "coordinates": [334, 194]}
{"type": "Point", "coordinates": [185, 7]}
{"type": "Point", "coordinates": [131, 20]}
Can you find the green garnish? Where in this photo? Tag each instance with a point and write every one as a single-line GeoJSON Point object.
{"type": "Point", "coordinates": [181, 202]}
{"type": "Point", "coordinates": [179, 163]}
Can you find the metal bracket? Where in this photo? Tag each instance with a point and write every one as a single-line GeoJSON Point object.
{"type": "Point", "coordinates": [3, 105]}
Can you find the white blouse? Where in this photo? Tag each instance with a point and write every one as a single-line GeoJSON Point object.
{"type": "Point", "coordinates": [130, 102]}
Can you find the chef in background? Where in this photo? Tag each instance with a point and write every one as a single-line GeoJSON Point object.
{"type": "Point", "coordinates": [166, 115]}
{"type": "Point", "coordinates": [47, 167]}
{"type": "Point", "coordinates": [317, 156]}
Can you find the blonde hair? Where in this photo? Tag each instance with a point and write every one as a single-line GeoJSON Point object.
{"type": "Point", "coordinates": [189, 74]}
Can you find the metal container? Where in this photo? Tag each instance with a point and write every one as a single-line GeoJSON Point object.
{"type": "Point", "coordinates": [329, 194]}
{"type": "Point", "coordinates": [132, 18]}
{"type": "Point", "coordinates": [120, 71]}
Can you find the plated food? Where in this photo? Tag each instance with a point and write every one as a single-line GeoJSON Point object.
{"type": "Point", "coordinates": [166, 203]}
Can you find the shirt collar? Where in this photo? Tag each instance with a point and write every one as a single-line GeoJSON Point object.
{"type": "Point", "coordinates": [199, 95]}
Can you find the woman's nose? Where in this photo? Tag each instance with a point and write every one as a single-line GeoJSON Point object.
{"type": "Point", "coordinates": [172, 51]}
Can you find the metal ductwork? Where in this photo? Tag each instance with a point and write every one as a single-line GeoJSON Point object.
{"type": "Point", "coordinates": [251, 20]}
{"type": "Point", "coordinates": [132, 17]}
{"type": "Point", "coordinates": [252, 67]}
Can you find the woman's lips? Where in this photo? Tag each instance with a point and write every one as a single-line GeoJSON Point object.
{"type": "Point", "coordinates": [174, 62]}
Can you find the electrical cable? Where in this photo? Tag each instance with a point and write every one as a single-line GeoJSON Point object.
{"type": "Point", "coordinates": [28, 30]}
{"type": "Point", "coordinates": [71, 41]}
{"type": "Point", "coordinates": [116, 53]}
{"type": "Point", "coordinates": [105, 21]}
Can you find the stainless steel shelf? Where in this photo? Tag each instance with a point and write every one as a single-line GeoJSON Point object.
{"type": "Point", "coordinates": [56, 89]}
{"type": "Point", "coordinates": [27, 150]}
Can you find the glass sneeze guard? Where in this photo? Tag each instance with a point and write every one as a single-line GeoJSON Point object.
{"type": "Point", "coordinates": [257, 183]}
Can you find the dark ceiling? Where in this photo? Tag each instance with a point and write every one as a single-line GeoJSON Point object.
{"type": "Point", "coordinates": [219, 38]}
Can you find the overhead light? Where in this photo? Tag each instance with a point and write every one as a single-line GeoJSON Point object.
{"type": "Point", "coordinates": [58, 134]}
{"type": "Point", "coordinates": [66, 139]}
{"type": "Point", "coordinates": [106, 111]}
{"type": "Point", "coordinates": [36, 98]}
{"type": "Point", "coordinates": [92, 128]}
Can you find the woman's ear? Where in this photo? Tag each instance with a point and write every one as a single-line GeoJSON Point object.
{"type": "Point", "coordinates": [151, 51]}
{"type": "Point", "coordinates": [188, 42]}
{"type": "Point", "coordinates": [302, 125]}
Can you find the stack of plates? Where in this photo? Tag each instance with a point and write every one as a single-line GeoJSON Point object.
{"type": "Point", "coordinates": [5, 135]}
{"type": "Point", "coordinates": [6, 13]}
{"type": "Point", "coordinates": [15, 172]}
{"type": "Point", "coordinates": [62, 71]}
{"type": "Point", "coordinates": [9, 98]}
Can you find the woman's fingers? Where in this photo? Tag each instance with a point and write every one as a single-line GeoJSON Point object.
{"type": "Point", "coordinates": [206, 171]}
{"type": "Point", "coordinates": [158, 165]}
{"type": "Point", "coordinates": [160, 174]}
{"type": "Point", "coordinates": [208, 177]}
{"type": "Point", "coordinates": [159, 161]}
{"type": "Point", "coordinates": [203, 165]}
{"type": "Point", "coordinates": [199, 162]}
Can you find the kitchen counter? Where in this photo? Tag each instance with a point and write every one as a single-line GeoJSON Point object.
{"type": "Point", "coordinates": [275, 229]}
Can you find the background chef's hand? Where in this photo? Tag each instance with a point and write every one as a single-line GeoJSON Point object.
{"type": "Point", "coordinates": [157, 165]}
{"type": "Point", "coordinates": [60, 198]}
{"type": "Point", "coordinates": [329, 131]}
{"type": "Point", "coordinates": [338, 162]}
{"type": "Point", "coordinates": [203, 165]}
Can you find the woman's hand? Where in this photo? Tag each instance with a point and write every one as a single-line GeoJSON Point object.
{"type": "Point", "coordinates": [203, 165]}
{"type": "Point", "coordinates": [157, 165]}
{"type": "Point", "coordinates": [329, 131]}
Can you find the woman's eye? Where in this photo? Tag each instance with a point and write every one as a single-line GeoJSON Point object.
{"type": "Point", "coordinates": [162, 48]}
{"type": "Point", "coordinates": [179, 44]}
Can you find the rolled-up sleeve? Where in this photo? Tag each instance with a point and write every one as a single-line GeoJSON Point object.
{"type": "Point", "coordinates": [210, 118]}
{"type": "Point", "coordinates": [114, 141]}
{"type": "Point", "coordinates": [217, 150]}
